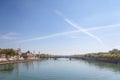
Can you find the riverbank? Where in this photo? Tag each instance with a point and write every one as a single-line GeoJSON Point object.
{"type": "Point", "coordinates": [108, 60]}
{"type": "Point", "coordinates": [112, 56]}
{"type": "Point", "coordinates": [18, 61]}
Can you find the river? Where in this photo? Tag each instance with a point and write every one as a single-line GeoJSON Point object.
{"type": "Point", "coordinates": [61, 69]}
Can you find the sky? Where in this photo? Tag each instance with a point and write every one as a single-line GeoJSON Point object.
{"type": "Point", "coordinates": [60, 26]}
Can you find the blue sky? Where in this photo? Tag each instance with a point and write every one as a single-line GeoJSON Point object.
{"type": "Point", "coordinates": [60, 26]}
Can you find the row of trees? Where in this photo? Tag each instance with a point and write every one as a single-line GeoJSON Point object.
{"type": "Point", "coordinates": [113, 54]}
{"type": "Point", "coordinates": [8, 52]}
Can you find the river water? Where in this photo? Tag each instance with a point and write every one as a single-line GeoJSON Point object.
{"type": "Point", "coordinates": [61, 69]}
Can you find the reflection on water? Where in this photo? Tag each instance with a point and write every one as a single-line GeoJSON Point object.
{"type": "Point", "coordinates": [104, 65]}
{"type": "Point", "coordinates": [60, 69]}
{"type": "Point", "coordinates": [7, 67]}
{"type": "Point", "coordinates": [6, 70]}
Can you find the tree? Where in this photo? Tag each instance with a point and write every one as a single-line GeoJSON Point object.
{"type": "Point", "coordinates": [114, 51]}
{"type": "Point", "coordinates": [8, 52]}
{"type": "Point", "coordinates": [0, 53]}
{"type": "Point", "coordinates": [28, 51]}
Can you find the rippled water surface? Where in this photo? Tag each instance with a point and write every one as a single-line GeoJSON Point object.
{"type": "Point", "coordinates": [61, 69]}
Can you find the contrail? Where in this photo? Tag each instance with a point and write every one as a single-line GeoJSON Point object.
{"type": "Point", "coordinates": [58, 12]}
{"type": "Point", "coordinates": [70, 32]}
{"type": "Point", "coordinates": [83, 30]}
{"type": "Point", "coordinates": [89, 29]}
{"type": "Point", "coordinates": [49, 36]}
{"type": "Point", "coordinates": [103, 27]}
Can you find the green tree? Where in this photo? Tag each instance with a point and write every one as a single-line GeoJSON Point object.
{"type": "Point", "coordinates": [114, 51]}
{"type": "Point", "coordinates": [8, 52]}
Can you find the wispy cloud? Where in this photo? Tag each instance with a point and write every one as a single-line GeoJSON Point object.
{"type": "Point", "coordinates": [83, 30]}
{"type": "Point", "coordinates": [8, 36]}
